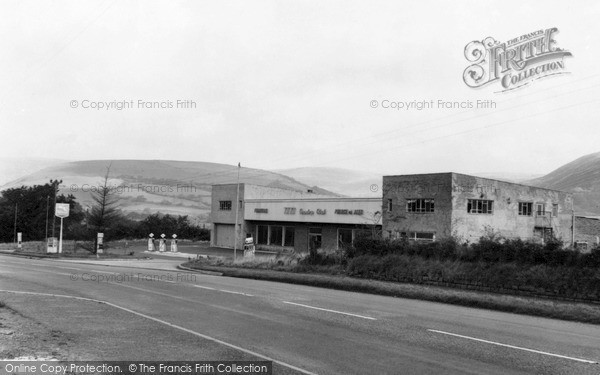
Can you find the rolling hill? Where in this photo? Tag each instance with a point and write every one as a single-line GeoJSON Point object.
{"type": "Point", "coordinates": [344, 181]}
{"type": "Point", "coordinates": [580, 177]}
{"type": "Point", "coordinates": [149, 186]}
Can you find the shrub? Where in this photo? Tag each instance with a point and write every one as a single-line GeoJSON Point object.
{"type": "Point", "coordinates": [562, 281]}
{"type": "Point", "coordinates": [490, 249]}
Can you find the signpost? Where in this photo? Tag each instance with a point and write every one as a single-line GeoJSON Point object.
{"type": "Point", "coordinates": [100, 248]}
{"type": "Point", "coordinates": [61, 210]}
{"type": "Point", "coordinates": [52, 243]}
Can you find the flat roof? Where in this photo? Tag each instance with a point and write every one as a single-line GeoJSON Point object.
{"type": "Point", "coordinates": [333, 199]}
{"type": "Point", "coordinates": [483, 178]}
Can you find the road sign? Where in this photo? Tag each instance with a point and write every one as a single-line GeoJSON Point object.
{"type": "Point", "coordinates": [62, 210]}
{"type": "Point", "coordinates": [100, 248]}
{"type": "Point", "coordinates": [52, 245]}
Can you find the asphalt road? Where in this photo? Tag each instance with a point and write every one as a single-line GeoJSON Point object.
{"type": "Point", "coordinates": [304, 329]}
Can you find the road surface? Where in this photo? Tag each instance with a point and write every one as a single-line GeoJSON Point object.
{"type": "Point", "coordinates": [303, 329]}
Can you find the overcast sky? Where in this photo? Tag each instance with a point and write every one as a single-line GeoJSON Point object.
{"type": "Point", "coordinates": [283, 84]}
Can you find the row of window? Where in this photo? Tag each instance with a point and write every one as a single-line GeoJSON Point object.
{"type": "Point", "coordinates": [526, 209]}
{"type": "Point", "coordinates": [279, 235]}
{"type": "Point", "coordinates": [475, 206]}
{"type": "Point", "coordinates": [275, 235]}
{"type": "Point", "coordinates": [413, 236]}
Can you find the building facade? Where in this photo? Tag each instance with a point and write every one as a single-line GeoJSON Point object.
{"type": "Point", "coordinates": [586, 232]}
{"type": "Point", "coordinates": [286, 220]}
{"type": "Point", "coordinates": [427, 207]}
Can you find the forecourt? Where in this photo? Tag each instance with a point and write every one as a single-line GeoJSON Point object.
{"type": "Point", "coordinates": [302, 329]}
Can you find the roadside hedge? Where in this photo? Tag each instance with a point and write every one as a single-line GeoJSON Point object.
{"type": "Point", "coordinates": [486, 250]}
{"type": "Point", "coordinates": [561, 281]}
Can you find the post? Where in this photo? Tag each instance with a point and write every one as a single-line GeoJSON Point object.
{"type": "Point", "coordinates": [237, 208]}
{"type": "Point", "coordinates": [15, 234]}
{"type": "Point", "coordinates": [573, 228]}
{"type": "Point", "coordinates": [99, 244]}
{"type": "Point", "coordinates": [47, 210]}
{"type": "Point", "coordinates": [54, 216]}
{"type": "Point", "coordinates": [60, 238]}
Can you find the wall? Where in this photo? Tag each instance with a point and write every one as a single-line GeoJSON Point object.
{"type": "Point", "coordinates": [587, 230]}
{"type": "Point", "coordinates": [505, 219]}
{"type": "Point", "coordinates": [338, 210]}
{"type": "Point", "coordinates": [225, 193]}
{"type": "Point", "coordinates": [426, 186]}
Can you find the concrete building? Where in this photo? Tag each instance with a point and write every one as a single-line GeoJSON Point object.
{"type": "Point", "coordinates": [427, 207]}
{"type": "Point", "coordinates": [287, 220]}
{"type": "Point", "coordinates": [586, 232]}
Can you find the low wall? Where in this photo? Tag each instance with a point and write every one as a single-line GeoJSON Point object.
{"type": "Point", "coordinates": [37, 246]}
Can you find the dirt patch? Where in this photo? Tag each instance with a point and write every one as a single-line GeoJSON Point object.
{"type": "Point", "coordinates": [25, 339]}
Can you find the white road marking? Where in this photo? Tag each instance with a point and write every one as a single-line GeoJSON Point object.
{"type": "Point", "coordinates": [206, 337]}
{"type": "Point", "coordinates": [203, 287]}
{"type": "Point", "coordinates": [222, 290]}
{"type": "Point", "coordinates": [232, 292]}
{"type": "Point", "coordinates": [328, 310]}
{"type": "Point", "coordinates": [513, 346]}
{"type": "Point", "coordinates": [112, 273]}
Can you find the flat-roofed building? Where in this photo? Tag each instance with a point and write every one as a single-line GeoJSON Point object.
{"type": "Point", "coordinates": [427, 207]}
{"type": "Point", "coordinates": [288, 220]}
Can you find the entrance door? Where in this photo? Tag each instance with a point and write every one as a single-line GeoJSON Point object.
{"type": "Point", "coordinates": [544, 233]}
{"type": "Point", "coordinates": [314, 238]}
{"type": "Point", "coordinates": [224, 235]}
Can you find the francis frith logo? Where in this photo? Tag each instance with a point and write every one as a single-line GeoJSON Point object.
{"type": "Point", "coordinates": [514, 63]}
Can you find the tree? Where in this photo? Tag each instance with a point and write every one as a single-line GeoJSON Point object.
{"type": "Point", "coordinates": [104, 213]}
{"type": "Point", "coordinates": [30, 208]}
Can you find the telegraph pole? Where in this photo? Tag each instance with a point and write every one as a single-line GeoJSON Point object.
{"type": "Point", "coordinates": [237, 208]}
{"type": "Point", "coordinates": [15, 231]}
{"type": "Point", "coordinates": [54, 216]}
{"type": "Point", "coordinates": [47, 210]}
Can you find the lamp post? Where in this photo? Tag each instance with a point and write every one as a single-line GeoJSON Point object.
{"type": "Point", "coordinates": [237, 208]}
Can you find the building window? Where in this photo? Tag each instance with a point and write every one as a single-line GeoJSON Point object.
{"type": "Point", "coordinates": [262, 235]}
{"type": "Point", "coordinates": [389, 201]}
{"type": "Point", "coordinates": [345, 238]}
{"type": "Point", "coordinates": [289, 236]}
{"type": "Point", "coordinates": [240, 204]}
{"type": "Point", "coordinates": [540, 209]}
{"type": "Point", "coordinates": [225, 205]}
{"type": "Point", "coordinates": [421, 236]}
{"type": "Point", "coordinates": [555, 210]}
{"type": "Point", "coordinates": [276, 236]}
{"type": "Point", "coordinates": [525, 208]}
{"type": "Point", "coordinates": [480, 206]}
{"type": "Point", "coordinates": [419, 205]}
{"type": "Point", "coordinates": [314, 238]}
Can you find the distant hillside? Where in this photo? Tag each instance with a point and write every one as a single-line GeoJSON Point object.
{"type": "Point", "coordinates": [343, 181]}
{"type": "Point", "coordinates": [582, 178]}
{"type": "Point", "coordinates": [13, 168]}
{"type": "Point", "coordinates": [149, 186]}
{"type": "Point", "coordinates": [508, 176]}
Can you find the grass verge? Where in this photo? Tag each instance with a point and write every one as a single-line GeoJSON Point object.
{"type": "Point", "coordinates": [573, 311]}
